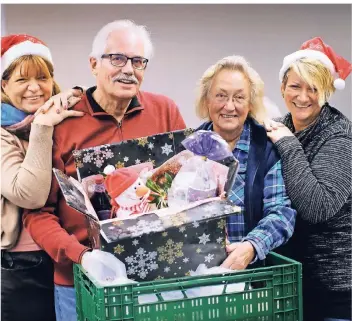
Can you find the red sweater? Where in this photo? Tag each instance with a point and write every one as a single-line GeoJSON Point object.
{"type": "Point", "coordinates": [57, 228]}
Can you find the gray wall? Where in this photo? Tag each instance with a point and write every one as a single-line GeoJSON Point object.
{"type": "Point", "coordinates": [188, 39]}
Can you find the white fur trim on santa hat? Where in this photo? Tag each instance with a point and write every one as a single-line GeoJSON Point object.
{"type": "Point", "coordinates": [306, 53]}
{"type": "Point", "coordinates": [22, 49]}
{"type": "Point", "coordinates": [339, 84]}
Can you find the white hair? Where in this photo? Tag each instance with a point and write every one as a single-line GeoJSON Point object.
{"type": "Point", "coordinates": [100, 40]}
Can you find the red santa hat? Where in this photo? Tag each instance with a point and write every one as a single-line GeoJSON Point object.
{"type": "Point", "coordinates": [16, 46]}
{"type": "Point", "coordinates": [315, 48]}
{"type": "Point", "coordinates": [120, 180]}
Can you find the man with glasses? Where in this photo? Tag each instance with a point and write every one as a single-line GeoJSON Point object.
{"type": "Point", "coordinates": [115, 110]}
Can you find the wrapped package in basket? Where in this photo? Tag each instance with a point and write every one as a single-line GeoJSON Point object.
{"type": "Point", "coordinates": [199, 178]}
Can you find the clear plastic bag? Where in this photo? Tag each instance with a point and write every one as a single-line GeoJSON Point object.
{"type": "Point", "coordinates": [197, 180]}
{"type": "Point", "coordinates": [197, 292]}
{"type": "Point", "coordinates": [210, 290]}
{"type": "Point", "coordinates": [105, 268]}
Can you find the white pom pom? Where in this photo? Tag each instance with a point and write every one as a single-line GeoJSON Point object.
{"type": "Point", "coordinates": [339, 84]}
{"type": "Point", "coordinates": [109, 169]}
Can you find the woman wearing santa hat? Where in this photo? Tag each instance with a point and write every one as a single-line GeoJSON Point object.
{"type": "Point", "coordinates": [29, 110]}
{"type": "Point", "coordinates": [315, 143]}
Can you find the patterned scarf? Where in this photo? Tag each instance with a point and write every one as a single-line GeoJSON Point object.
{"type": "Point", "coordinates": [142, 207]}
{"type": "Point", "coordinates": [16, 121]}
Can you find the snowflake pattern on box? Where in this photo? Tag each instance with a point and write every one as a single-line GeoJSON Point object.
{"type": "Point", "coordinates": [170, 251]}
{"type": "Point", "coordinates": [146, 227]}
{"type": "Point", "coordinates": [179, 219]}
{"type": "Point", "coordinates": [156, 149]}
{"type": "Point", "coordinates": [151, 223]}
{"type": "Point", "coordinates": [119, 249]}
{"type": "Point", "coordinates": [204, 239]}
{"type": "Point", "coordinates": [175, 251]}
{"type": "Point", "coordinates": [208, 258]}
{"type": "Point", "coordinates": [166, 149]}
{"type": "Point", "coordinates": [141, 263]}
{"type": "Point", "coordinates": [221, 223]}
{"type": "Point", "coordinates": [98, 155]}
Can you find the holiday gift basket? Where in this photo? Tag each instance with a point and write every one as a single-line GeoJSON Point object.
{"type": "Point", "coordinates": [157, 203]}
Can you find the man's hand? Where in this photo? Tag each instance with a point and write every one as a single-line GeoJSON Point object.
{"type": "Point", "coordinates": [240, 255]}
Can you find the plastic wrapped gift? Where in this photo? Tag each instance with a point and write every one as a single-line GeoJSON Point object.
{"type": "Point", "coordinates": [197, 179]}
{"type": "Point", "coordinates": [165, 243]}
{"type": "Point", "coordinates": [161, 179]}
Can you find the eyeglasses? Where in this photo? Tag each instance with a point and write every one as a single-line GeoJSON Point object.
{"type": "Point", "coordinates": [120, 60]}
{"type": "Point", "coordinates": [237, 100]}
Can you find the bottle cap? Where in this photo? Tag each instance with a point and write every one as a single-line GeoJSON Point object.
{"type": "Point", "coordinates": [99, 179]}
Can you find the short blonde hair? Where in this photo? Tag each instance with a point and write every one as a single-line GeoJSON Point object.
{"type": "Point", "coordinates": [41, 65]}
{"type": "Point", "coordinates": [316, 75]}
{"type": "Point", "coordinates": [235, 63]}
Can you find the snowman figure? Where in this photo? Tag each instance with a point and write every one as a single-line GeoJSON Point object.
{"type": "Point", "coordinates": [128, 193]}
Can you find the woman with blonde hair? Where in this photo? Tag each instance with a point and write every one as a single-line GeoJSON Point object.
{"type": "Point", "coordinates": [29, 112]}
{"type": "Point", "coordinates": [315, 144]}
{"type": "Point", "coordinates": [230, 98]}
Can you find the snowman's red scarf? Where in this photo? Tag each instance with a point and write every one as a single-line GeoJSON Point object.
{"type": "Point", "coordinates": [142, 207]}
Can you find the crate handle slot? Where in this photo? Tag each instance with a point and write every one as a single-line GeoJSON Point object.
{"type": "Point", "coordinates": [88, 288]}
{"type": "Point", "coordinates": [86, 282]}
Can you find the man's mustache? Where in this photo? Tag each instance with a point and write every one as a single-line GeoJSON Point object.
{"type": "Point", "coordinates": [125, 77]}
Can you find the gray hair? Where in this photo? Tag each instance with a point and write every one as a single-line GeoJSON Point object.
{"type": "Point", "coordinates": [232, 63]}
{"type": "Point", "coordinates": [100, 40]}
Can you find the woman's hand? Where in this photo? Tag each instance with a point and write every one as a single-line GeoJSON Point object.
{"type": "Point", "coordinates": [64, 100]}
{"type": "Point", "coordinates": [240, 255]}
{"type": "Point", "coordinates": [278, 133]}
{"type": "Point", "coordinates": [276, 130]}
{"type": "Point", "coordinates": [270, 125]}
{"type": "Point", "coordinates": [55, 109]}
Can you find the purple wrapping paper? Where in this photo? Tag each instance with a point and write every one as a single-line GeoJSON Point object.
{"type": "Point", "coordinates": [209, 144]}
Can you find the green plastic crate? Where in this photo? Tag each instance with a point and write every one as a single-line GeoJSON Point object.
{"type": "Point", "coordinates": [275, 294]}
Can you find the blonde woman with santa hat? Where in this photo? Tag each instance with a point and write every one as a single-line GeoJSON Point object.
{"type": "Point", "coordinates": [29, 112]}
{"type": "Point", "coordinates": [315, 143]}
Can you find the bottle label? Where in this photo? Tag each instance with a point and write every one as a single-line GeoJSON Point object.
{"type": "Point", "coordinates": [100, 188]}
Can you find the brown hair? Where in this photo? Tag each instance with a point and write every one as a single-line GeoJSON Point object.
{"type": "Point", "coordinates": [42, 66]}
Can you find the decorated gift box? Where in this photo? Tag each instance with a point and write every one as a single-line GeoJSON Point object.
{"type": "Point", "coordinates": [185, 221]}
{"type": "Point", "coordinates": [156, 149]}
{"type": "Point", "coordinates": [154, 247]}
